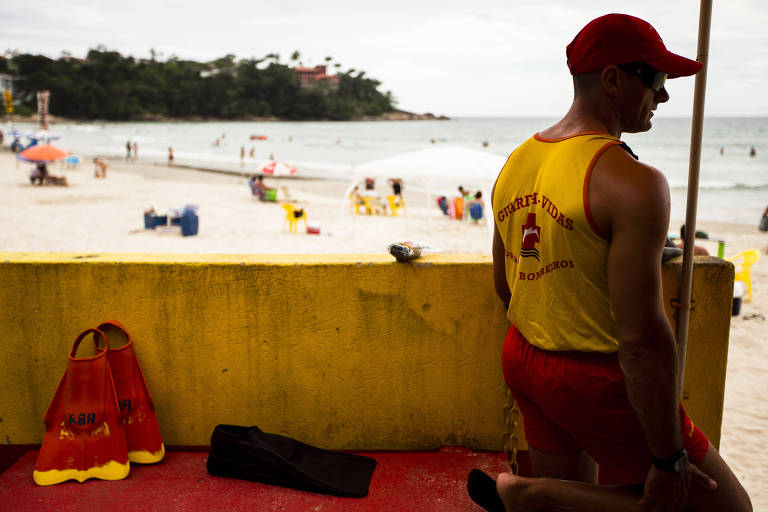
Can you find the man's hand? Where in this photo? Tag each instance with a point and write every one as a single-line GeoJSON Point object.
{"type": "Point", "coordinates": [668, 492]}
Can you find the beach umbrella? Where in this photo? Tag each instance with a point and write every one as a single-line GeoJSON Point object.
{"type": "Point", "coordinates": [276, 168]}
{"type": "Point", "coordinates": [439, 165]}
{"type": "Point", "coordinates": [439, 168]}
{"type": "Point", "coordinates": [697, 124]}
{"type": "Point", "coordinates": [43, 153]}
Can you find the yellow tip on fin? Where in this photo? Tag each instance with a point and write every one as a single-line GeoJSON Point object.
{"type": "Point", "coordinates": [112, 470]}
{"type": "Point", "coordinates": [147, 457]}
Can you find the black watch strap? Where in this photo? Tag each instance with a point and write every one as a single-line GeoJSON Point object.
{"type": "Point", "coordinates": [677, 463]}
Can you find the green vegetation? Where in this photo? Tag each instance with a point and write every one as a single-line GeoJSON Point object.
{"type": "Point", "coordinates": [106, 85]}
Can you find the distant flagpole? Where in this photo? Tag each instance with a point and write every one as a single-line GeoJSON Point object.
{"type": "Point", "coordinates": [697, 124]}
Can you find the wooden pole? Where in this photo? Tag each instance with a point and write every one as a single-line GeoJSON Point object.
{"type": "Point", "coordinates": [697, 124]}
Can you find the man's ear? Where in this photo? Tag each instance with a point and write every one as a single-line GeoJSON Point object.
{"type": "Point", "coordinates": [611, 79]}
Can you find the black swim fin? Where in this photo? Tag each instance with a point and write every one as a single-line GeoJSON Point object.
{"type": "Point", "coordinates": [482, 490]}
{"type": "Point", "coordinates": [248, 453]}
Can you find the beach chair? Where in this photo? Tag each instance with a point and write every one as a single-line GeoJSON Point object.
{"type": "Point", "coordinates": [458, 205]}
{"type": "Point", "coordinates": [355, 203]}
{"type": "Point", "coordinates": [476, 212]}
{"type": "Point", "coordinates": [395, 204]}
{"type": "Point", "coordinates": [372, 205]}
{"type": "Point", "coordinates": [748, 257]}
{"type": "Point", "coordinates": [293, 216]}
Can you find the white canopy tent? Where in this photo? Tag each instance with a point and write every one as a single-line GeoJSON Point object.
{"type": "Point", "coordinates": [438, 170]}
{"type": "Point", "coordinates": [442, 164]}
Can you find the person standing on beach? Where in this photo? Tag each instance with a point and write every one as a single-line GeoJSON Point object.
{"type": "Point", "coordinates": [590, 357]}
{"type": "Point", "coordinates": [135, 150]}
{"type": "Point", "coordinates": [170, 157]}
{"type": "Point", "coordinates": [99, 168]}
{"type": "Point", "coordinates": [128, 151]}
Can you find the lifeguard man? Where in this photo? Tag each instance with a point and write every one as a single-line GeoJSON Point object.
{"type": "Point", "coordinates": [580, 226]}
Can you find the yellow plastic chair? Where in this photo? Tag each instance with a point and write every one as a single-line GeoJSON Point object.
{"type": "Point", "coordinates": [293, 216]}
{"type": "Point", "coordinates": [355, 203]}
{"type": "Point", "coordinates": [372, 205]}
{"type": "Point", "coordinates": [750, 256]}
{"type": "Point", "coordinates": [395, 204]}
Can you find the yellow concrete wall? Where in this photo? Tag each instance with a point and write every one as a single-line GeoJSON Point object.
{"type": "Point", "coordinates": [339, 351]}
{"type": "Point", "coordinates": [709, 327]}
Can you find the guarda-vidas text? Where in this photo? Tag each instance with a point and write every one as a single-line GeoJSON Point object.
{"type": "Point", "coordinates": [535, 199]}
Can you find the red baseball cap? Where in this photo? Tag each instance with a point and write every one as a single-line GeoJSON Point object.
{"type": "Point", "coordinates": [621, 38]}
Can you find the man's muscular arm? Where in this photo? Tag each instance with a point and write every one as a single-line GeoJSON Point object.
{"type": "Point", "coordinates": [631, 201]}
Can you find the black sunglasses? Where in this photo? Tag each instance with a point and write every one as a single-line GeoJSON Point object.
{"type": "Point", "coordinates": [650, 76]}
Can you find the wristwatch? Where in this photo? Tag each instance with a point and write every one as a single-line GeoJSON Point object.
{"type": "Point", "coordinates": [677, 463]}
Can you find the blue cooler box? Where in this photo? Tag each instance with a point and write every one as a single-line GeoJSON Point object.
{"type": "Point", "coordinates": [189, 223]}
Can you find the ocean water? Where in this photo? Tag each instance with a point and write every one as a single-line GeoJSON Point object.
{"type": "Point", "coordinates": [733, 185]}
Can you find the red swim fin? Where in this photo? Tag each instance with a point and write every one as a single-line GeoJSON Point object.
{"type": "Point", "coordinates": [137, 411]}
{"type": "Point", "coordinates": [83, 436]}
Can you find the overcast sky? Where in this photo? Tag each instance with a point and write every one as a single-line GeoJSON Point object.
{"type": "Point", "coordinates": [489, 58]}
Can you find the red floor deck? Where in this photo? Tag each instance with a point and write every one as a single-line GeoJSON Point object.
{"type": "Point", "coordinates": [403, 481]}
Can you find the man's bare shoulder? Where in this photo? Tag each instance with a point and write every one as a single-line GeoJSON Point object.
{"type": "Point", "coordinates": [618, 161]}
{"type": "Point", "coordinates": [619, 171]}
{"type": "Point", "coordinates": [622, 187]}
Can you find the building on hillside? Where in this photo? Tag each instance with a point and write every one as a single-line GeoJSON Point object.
{"type": "Point", "coordinates": [212, 70]}
{"type": "Point", "coordinates": [65, 57]}
{"type": "Point", "coordinates": [6, 82]}
{"type": "Point", "coordinates": [313, 77]}
{"type": "Point", "coordinates": [6, 94]}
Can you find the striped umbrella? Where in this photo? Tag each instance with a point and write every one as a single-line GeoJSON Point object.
{"type": "Point", "coordinates": [276, 168]}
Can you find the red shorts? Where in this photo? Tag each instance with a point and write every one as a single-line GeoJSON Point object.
{"type": "Point", "coordinates": [575, 400]}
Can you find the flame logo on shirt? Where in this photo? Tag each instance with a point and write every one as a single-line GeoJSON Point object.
{"type": "Point", "coordinates": [531, 236]}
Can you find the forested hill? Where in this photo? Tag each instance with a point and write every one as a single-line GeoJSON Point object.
{"type": "Point", "coordinates": [107, 85]}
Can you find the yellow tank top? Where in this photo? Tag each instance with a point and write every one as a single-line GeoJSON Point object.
{"type": "Point", "coordinates": [555, 255]}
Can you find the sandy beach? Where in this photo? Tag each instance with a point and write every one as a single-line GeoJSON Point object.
{"type": "Point", "coordinates": [106, 215]}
